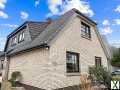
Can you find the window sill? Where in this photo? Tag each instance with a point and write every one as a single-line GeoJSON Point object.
{"type": "Point", "coordinates": [86, 37]}
{"type": "Point", "coordinates": [13, 45]}
{"type": "Point", "coordinates": [20, 41]}
{"type": "Point", "coordinates": [73, 74]}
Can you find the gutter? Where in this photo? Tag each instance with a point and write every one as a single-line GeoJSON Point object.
{"type": "Point", "coordinates": [9, 53]}
{"type": "Point", "coordinates": [5, 72]}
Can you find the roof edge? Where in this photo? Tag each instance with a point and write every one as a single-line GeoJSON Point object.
{"type": "Point", "coordinates": [102, 43]}
{"type": "Point", "coordinates": [22, 25]}
{"type": "Point", "coordinates": [88, 18]}
{"type": "Point", "coordinates": [28, 49]}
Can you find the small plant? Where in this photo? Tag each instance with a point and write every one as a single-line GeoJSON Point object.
{"type": "Point", "coordinates": [15, 78]}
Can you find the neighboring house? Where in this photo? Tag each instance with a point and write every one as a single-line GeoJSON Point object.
{"type": "Point", "coordinates": [1, 64]}
{"type": "Point", "coordinates": [52, 55]}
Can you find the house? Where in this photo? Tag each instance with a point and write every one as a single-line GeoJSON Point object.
{"type": "Point", "coordinates": [52, 54]}
{"type": "Point", "coordinates": [1, 64]}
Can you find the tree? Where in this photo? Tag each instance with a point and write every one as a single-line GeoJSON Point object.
{"type": "Point", "coordinates": [115, 61]}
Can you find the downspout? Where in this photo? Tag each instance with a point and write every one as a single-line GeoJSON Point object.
{"type": "Point", "coordinates": [6, 67]}
{"type": "Point", "coordinates": [5, 71]}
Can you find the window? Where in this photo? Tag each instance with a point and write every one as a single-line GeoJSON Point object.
{"type": "Point", "coordinates": [14, 41]}
{"type": "Point", "coordinates": [2, 64]}
{"type": "Point", "coordinates": [72, 62]}
{"type": "Point", "coordinates": [85, 30]}
{"type": "Point", "coordinates": [98, 61]}
{"type": "Point", "coordinates": [21, 37]}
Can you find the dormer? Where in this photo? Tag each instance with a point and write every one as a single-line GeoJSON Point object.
{"type": "Point", "coordinates": [24, 34]}
{"type": "Point", "coordinates": [18, 37]}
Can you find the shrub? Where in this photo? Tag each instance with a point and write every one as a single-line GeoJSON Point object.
{"type": "Point", "coordinates": [15, 78]}
{"type": "Point", "coordinates": [101, 74]}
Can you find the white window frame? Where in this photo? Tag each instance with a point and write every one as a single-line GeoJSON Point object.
{"type": "Point", "coordinates": [14, 41]}
{"type": "Point", "coordinates": [21, 37]}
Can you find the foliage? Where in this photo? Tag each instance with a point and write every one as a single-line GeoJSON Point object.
{"type": "Point", "coordinates": [15, 77]}
{"type": "Point", "coordinates": [115, 61]}
{"type": "Point", "coordinates": [101, 75]}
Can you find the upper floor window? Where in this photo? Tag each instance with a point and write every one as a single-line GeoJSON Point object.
{"type": "Point", "coordinates": [14, 41]}
{"type": "Point", "coordinates": [21, 37]}
{"type": "Point", "coordinates": [72, 62]}
{"type": "Point", "coordinates": [98, 61]}
{"type": "Point", "coordinates": [85, 30]}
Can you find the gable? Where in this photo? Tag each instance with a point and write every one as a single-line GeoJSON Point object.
{"type": "Point", "coordinates": [70, 37]}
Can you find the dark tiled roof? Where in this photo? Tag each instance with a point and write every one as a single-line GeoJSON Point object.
{"type": "Point", "coordinates": [40, 25]}
{"type": "Point", "coordinates": [47, 31]}
{"type": "Point", "coordinates": [55, 27]}
{"type": "Point", "coordinates": [43, 32]}
{"type": "Point", "coordinates": [35, 28]}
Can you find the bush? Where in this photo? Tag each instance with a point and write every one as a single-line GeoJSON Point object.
{"type": "Point", "coordinates": [101, 74]}
{"type": "Point", "coordinates": [15, 78]}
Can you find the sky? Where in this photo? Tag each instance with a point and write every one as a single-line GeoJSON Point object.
{"type": "Point", "coordinates": [105, 12]}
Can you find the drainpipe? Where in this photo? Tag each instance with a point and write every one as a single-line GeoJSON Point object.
{"type": "Point", "coordinates": [109, 65]}
{"type": "Point", "coordinates": [5, 71]}
{"type": "Point", "coordinates": [6, 68]}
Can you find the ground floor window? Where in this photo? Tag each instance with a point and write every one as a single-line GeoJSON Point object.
{"type": "Point", "coordinates": [72, 62]}
{"type": "Point", "coordinates": [98, 61]}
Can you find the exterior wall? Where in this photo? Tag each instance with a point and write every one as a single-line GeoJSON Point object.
{"type": "Point", "coordinates": [33, 66]}
{"type": "Point", "coordinates": [70, 40]}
